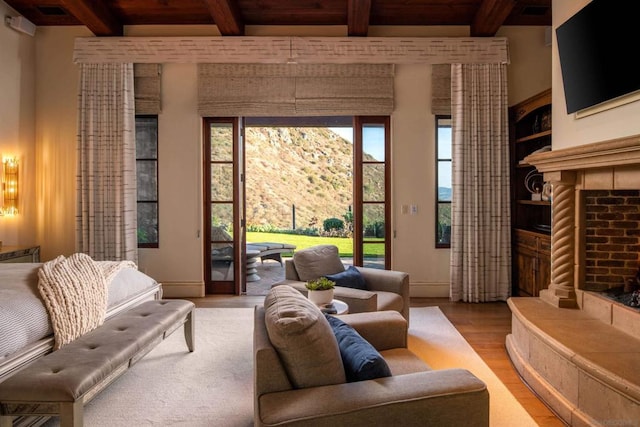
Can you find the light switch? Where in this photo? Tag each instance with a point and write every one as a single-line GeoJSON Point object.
{"type": "Point", "coordinates": [404, 209]}
{"type": "Point", "coordinates": [414, 209]}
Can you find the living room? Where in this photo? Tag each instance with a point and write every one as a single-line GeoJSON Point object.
{"type": "Point", "coordinates": [39, 111]}
{"type": "Point", "coordinates": [54, 131]}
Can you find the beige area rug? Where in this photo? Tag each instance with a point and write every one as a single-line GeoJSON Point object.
{"type": "Point", "coordinates": [438, 342]}
{"type": "Point", "coordinates": [214, 385]}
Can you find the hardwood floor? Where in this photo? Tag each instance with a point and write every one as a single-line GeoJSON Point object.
{"type": "Point", "coordinates": [484, 326]}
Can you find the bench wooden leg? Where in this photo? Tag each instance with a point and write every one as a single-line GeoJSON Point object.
{"type": "Point", "coordinates": [71, 414]}
{"type": "Point", "coordinates": [6, 421]}
{"type": "Point", "coordinates": [190, 330]}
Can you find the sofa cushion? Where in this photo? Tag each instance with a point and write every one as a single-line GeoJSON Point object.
{"type": "Point", "coordinates": [350, 278]}
{"type": "Point", "coordinates": [303, 339]}
{"type": "Point", "coordinates": [317, 261]}
{"type": "Point", "coordinates": [360, 359]}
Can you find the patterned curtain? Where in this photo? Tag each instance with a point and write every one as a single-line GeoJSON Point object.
{"type": "Point", "coordinates": [480, 208]}
{"type": "Point", "coordinates": [106, 219]}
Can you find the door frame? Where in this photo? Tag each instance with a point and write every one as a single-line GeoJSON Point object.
{"type": "Point", "coordinates": [238, 286]}
{"type": "Point", "coordinates": [239, 234]}
{"type": "Point", "coordinates": [358, 197]}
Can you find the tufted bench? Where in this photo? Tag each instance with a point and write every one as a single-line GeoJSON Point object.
{"type": "Point", "coordinates": [61, 382]}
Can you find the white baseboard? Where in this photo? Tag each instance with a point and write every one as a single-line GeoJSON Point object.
{"type": "Point", "coordinates": [429, 290]}
{"type": "Point", "coordinates": [182, 289]}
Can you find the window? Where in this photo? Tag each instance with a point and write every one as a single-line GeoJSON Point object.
{"type": "Point", "coordinates": [147, 180]}
{"type": "Point", "coordinates": [443, 181]}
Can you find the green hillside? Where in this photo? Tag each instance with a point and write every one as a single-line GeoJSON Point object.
{"type": "Point", "coordinates": [310, 168]}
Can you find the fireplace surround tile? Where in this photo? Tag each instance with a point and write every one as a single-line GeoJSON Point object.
{"type": "Point", "coordinates": [627, 320]}
{"type": "Point", "coordinates": [594, 306]}
{"type": "Point", "coordinates": [585, 369]}
{"type": "Point", "coordinates": [601, 338]}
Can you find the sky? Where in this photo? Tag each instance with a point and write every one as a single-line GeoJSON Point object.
{"type": "Point", "coordinates": [373, 137]}
{"type": "Point", "coordinates": [377, 138]}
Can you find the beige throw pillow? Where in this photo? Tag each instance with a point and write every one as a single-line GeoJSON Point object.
{"type": "Point", "coordinates": [317, 261]}
{"type": "Point", "coordinates": [303, 339]}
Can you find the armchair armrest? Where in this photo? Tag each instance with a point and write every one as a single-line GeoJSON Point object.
{"type": "Point", "coordinates": [357, 299]}
{"type": "Point", "coordinates": [382, 329]}
{"type": "Point", "coordinates": [388, 281]}
{"type": "Point", "coordinates": [385, 280]}
{"type": "Point", "coordinates": [451, 397]}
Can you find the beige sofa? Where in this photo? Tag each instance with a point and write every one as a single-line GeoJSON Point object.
{"type": "Point", "coordinates": [385, 289]}
{"type": "Point", "coordinates": [299, 382]}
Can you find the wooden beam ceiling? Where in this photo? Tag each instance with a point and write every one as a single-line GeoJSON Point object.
{"type": "Point", "coordinates": [227, 17]}
{"type": "Point", "coordinates": [490, 16]}
{"type": "Point", "coordinates": [358, 14]}
{"type": "Point", "coordinates": [96, 16]}
{"type": "Point", "coordinates": [107, 18]}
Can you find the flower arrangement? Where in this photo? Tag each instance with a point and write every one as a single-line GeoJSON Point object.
{"type": "Point", "coordinates": [320, 284]}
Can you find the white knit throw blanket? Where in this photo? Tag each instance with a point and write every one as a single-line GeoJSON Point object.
{"type": "Point", "coordinates": [74, 290]}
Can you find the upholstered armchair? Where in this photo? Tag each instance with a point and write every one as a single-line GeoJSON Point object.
{"type": "Point", "coordinates": [382, 290]}
{"type": "Point", "coordinates": [304, 372]}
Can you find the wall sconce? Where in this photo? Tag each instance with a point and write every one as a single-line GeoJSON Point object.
{"type": "Point", "coordinates": [9, 186]}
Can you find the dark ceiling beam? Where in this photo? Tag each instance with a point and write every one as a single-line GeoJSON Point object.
{"type": "Point", "coordinates": [490, 16]}
{"type": "Point", "coordinates": [96, 16]}
{"type": "Point", "coordinates": [226, 15]}
{"type": "Point", "coordinates": [358, 14]}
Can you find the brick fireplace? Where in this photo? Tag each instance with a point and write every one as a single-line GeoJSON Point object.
{"type": "Point", "coordinates": [578, 348]}
{"type": "Point", "coordinates": [612, 239]}
{"type": "Point", "coordinates": [595, 215]}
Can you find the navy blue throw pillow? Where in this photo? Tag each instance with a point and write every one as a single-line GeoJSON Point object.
{"type": "Point", "coordinates": [360, 359]}
{"type": "Point", "coordinates": [350, 278]}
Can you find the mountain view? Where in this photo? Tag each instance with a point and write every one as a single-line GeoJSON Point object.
{"type": "Point", "coordinates": [309, 168]}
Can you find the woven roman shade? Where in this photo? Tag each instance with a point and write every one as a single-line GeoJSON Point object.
{"type": "Point", "coordinates": [259, 90]}
{"type": "Point", "coordinates": [147, 88]}
{"type": "Point", "coordinates": [441, 89]}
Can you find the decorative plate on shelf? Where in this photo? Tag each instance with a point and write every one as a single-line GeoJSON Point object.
{"type": "Point", "coordinates": [542, 227]}
{"type": "Point", "coordinates": [534, 182]}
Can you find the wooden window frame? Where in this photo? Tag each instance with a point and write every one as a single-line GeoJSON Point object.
{"type": "Point", "coordinates": [438, 244]}
{"type": "Point", "coordinates": [155, 244]}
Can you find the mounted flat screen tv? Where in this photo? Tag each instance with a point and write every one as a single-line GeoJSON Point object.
{"type": "Point", "coordinates": [598, 49]}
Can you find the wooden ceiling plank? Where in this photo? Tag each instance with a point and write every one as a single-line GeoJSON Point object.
{"type": "Point", "coordinates": [291, 12]}
{"type": "Point", "coordinates": [226, 15]}
{"type": "Point", "coordinates": [358, 15]}
{"type": "Point", "coordinates": [96, 16]}
{"type": "Point", "coordinates": [490, 16]}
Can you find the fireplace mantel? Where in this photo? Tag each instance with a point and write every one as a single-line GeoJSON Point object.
{"type": "Point", "coordinates": [606, 165]}
{"type": "Point", "coordinates": [615, 152]}
{"type": "Point", "coordinates": [578, 349]}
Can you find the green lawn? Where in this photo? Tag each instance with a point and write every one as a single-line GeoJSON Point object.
{"type": "Point", "coordinates": [345, 245]}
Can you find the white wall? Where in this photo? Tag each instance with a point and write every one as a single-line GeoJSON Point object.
{"type": "Point", "coordinates": [17, 126]}
{"type": "Point", "coordinates": [178, 262]}
{"type": "Point", "coordinates": [569, 131]}
{"type": "Point", "coordinates": [529, 72]}
{"type": "Point", "coordinates": [413, 160]}
{"type": "Point", "coordinates": [56, 129]}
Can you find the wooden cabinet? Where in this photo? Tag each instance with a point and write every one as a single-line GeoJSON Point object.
{"type": "Point", "coordinates": [532, 262]}
{"type": "Point", "coordinates": [530, 131]}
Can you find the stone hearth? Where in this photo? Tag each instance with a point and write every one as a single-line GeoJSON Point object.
{"type": "Point", "coordinates": [578, 349]}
